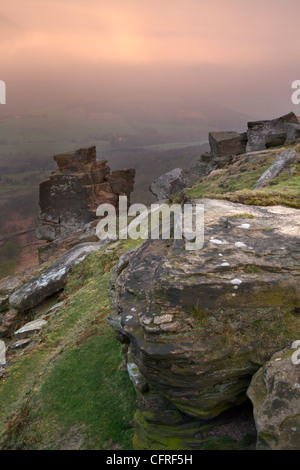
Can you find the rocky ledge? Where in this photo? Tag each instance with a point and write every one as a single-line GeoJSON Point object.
{"type": "Point", "coordinates": [226, 148]}
{"type": "Point", "coordinates": [197, 325]}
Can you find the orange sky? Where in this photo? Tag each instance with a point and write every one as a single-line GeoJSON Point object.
{"type": "Point", "coordinates": [42, 38]}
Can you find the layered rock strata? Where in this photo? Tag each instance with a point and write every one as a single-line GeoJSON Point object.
{"type": "Point", "coordinates": [69, 199]}
{"type": "Point", "coordinates": [197, 325]}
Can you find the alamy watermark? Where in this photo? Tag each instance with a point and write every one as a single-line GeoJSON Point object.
{"type": "Point", "coordinates": [160, 221]}
{"type": "Point", "coordinates": [296, 354]}
{"type": "Point", "coordinates": [2, 92]}
{"type": "Point", "coordinates": [296, 94]}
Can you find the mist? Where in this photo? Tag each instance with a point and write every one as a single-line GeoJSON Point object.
{"type": "Point", "coordinates": [238, 55]}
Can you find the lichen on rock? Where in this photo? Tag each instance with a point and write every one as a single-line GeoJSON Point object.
{"type": "Point", "coordinates": [198, 328]}
{"type": "Point", "coordinates": [275, 394]}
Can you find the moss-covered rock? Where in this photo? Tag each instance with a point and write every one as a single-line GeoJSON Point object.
{"type": "Point", "coordinates": [235, 181]}
{"type": "Point", "coordinates": [199, 324]}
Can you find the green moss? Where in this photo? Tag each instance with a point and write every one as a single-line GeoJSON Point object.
{"type": "Point", "coordinates": [236, 186]}
{"type": "Point", "coordinates": [242, 215]}
{"type": "Point", "coordinates": [194, 435]}
{"type": "Point", "coordinates": [200, 315]}
{"type": "Point", "coordinates": [151, 436]}
{"type": "Point", "coordinates": [250, 268]}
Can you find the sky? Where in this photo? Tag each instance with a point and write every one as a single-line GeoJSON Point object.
{"type": "Point", "coordinates": [242, 54]}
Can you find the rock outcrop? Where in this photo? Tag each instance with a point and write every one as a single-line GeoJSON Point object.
{"type": "Point", "coordinates": [293, 131]}
{"type": "Point", "coordinates": [204, 165]}
{"type": "Point", "coordinates": [30, 328]}
{"type": "Point", "coordinates": [85, 235]}
{"type": "Point", "coordinates": [51, 280]}
{"type": "Point", "coordinates": [224, 144]}
{"type": "Point", "coordinates": [172, 182]}
{"type": "Point", "coordinates": [9, 284]}
{"type": "Point", "coordinates": [68, 202]}
{"type": "Point", "coordinates": [10, 322]}
{"type": "Point", "coordinates": [275, 394]}
{"type": "Point", "coordinates": [266, 134]}
{"type": "Point", "coordinates": [69, 199]}
{"type": "Point", "coordinates": [197, 325]}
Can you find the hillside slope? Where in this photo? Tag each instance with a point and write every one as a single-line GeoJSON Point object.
{"type": "Point", "coordinates": [68, 389]}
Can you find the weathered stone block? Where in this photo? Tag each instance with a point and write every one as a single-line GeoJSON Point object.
{"type": "Point", "coordinates": [99, 172]}
{"type": "Point", "coordinates": [227, 143]}
{"type": "Point", "coordinates": [63, 197]}
{"type": "Point", "coordinates": [103, 194]}
{"type": "Point", "coordinates": [275, 394]}
{"type": "Point", "coordinates": [172, 182]}
{"type": "Point", "coordinates": [292, 131]}
{"type": "Point", "coordinates": [261, 131]}
{"type": "Point", "coordinates": [73, 161]}
{"type": "Point", "coordinates": [51, 280]}
{"type": "Point", "coordinates": [68, 200]}
{"type": "Point", "coordinates": [122, 181]}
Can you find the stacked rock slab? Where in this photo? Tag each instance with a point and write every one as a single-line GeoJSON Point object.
{"type": "Point", "coordinates": [68, 200]}
{"type": "Point", "coordinates": [259, 136]}
{"type": "Point", "coordinates": [197, 325]}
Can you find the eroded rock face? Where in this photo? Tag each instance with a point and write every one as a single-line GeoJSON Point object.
{"type": "Point", "coordinates": [293, 131]}
{"type": "Point", "coordinates": [224, 144]}
{"type": "Point", "coordinates": [68, 200]}
{"type": "Point", "coordinates": [172, 182]}
{"type": "Point", "coordinates": [265, 134]}
{"type": "Point", "coordinates": [198, 324]}
{"type": "Point", "coordinates": [204, 165]}
{"type": "Point", "coordinates": [275, 394]}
